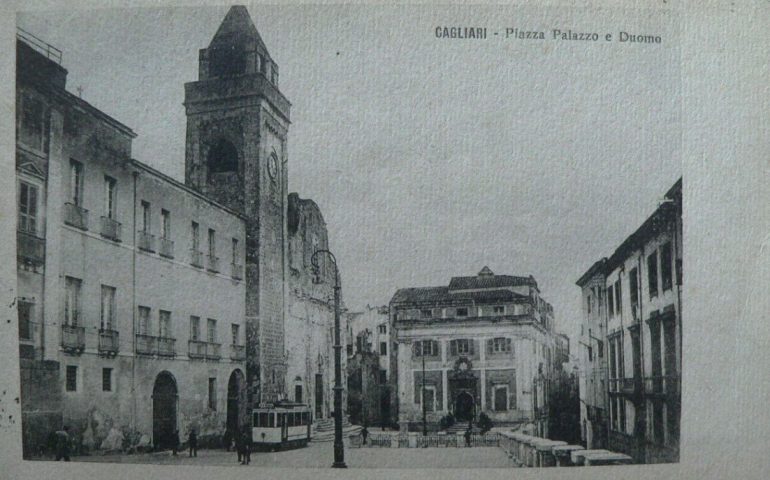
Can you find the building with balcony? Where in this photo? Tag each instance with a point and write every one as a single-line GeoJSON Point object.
{"type": "Point", "coordinates": [632, 340]}
{"type": "Point", "coordinates": [149, 301]}
{"type": "Point", "coordinates": [483, 343]}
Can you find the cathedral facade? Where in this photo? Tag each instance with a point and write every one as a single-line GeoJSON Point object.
{"type": "Point", "coordinates": [153, 305]}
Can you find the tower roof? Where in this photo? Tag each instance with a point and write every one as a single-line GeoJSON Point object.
{"type": "Point", "coordinates": [238, 28]}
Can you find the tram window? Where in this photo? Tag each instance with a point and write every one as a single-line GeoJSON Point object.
{"type": "Point", "coordinates": [293, 420]}
{"type": "Point", "coordinates": [305, 418]}
{"type": "Point", "coordinates": [270, 420]}
{"type": "Point", "coordinates": [262, 420]}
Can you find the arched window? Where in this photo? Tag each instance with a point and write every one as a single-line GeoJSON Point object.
{"type": "Point", "coordinates": [223, 157]}
{"type": "Point", "coordinates": [227, 60]}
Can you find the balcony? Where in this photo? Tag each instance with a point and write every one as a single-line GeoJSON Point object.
{"type": "Point", "coordinates": [146, 241]}
{"type": "Point", "coordinates": [196, 258]}
{"type": "Point", "coordinates": [213, 263]}
{"type": "Point", "coordinates": [203, 350]}
{"type": "Point", "coordinates": [111, 229]}
{"type": "Point", "coordinates": [146, 344]}
{"type": "Point", "coordinates": [237, 353]}
{"type": "Point", "coordinates": [109, 342]}
{"type": "Point", "coordinates": [76, 216]}
{"type": "Point", "coordinates": [30, 249]}
{"type": "Point", "coordinates": [166, 347]}
{"type": "Point", "coordinates": [73, 338]}
{"type": "Point", "coordinates": [661, 385]}
{"type": "Point", "coordinates": [166, 248]}
{"type": "Point", "coordinates": [237, 270]}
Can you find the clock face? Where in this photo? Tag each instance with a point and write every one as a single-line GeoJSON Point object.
{"type": "Point", "coordinates": [272, 165]}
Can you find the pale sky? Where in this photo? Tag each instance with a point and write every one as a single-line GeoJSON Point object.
{"type": "Point", "coordinates": [429, 158]}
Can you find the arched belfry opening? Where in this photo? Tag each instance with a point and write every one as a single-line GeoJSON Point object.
{"type": "Point", "coordinates": [223, 157]}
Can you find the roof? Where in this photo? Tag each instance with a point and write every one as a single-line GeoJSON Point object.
{"type": "Point", "coordinates": [238, 27]}
{"type": "Point", "coordinates": [597, 267]}
{"type": "Point", "coordinates": [444, 295]}
{"type": "Point", "coordinates": [490, 281]}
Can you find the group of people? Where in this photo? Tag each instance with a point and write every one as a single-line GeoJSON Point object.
{"type": "Point", "coordinates": [242, 442]}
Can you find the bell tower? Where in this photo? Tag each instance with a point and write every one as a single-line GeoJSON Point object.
{"type": "Point", "coordinates": [237, 126]}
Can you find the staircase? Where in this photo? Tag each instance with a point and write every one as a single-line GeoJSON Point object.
{"type": "Point", "coordinates": [323, 429]}
{"type": "Point", "coordinates": [461, 428]}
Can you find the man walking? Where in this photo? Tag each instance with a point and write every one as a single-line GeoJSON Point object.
{"type": "Point", "coordinates": [63, 444]}
{"type": "Point", "coordinates": [192, 441]}
{"type": "Point", "coordinates": [246, 442]}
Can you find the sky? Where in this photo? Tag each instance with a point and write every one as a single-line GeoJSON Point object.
{"type": "Point", "coordinates": [429, 158]}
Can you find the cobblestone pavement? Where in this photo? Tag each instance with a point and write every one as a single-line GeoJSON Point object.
{"type": "Point", "coordinates": [321, 455]}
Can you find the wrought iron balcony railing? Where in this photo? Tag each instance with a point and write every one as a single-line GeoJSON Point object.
{"type": "Point", "coordinates": [196, 258]}
{"type": "Point", "coordinates": [109, 342]}
{"type": "Point", "coordinates": [213, 351]}
{"type": "Point", "coordinates": [76, 216]}
{"type": "Point", "coordinates": [30, 248]}
{"type": "Point", "coordinates": [73, 338]}
{"type": "Point", "coordinates": [196, 349]}
{"type": "Point", "coordinates": [166, 347]}
{"type": "Point", "coordinates": [237, 271]}
{"type": "Point", "coordinates": [166, 248]}
{"type": "Point", "coordinates": [661, 385]}
{"type": "Point", "coordinates": [111, 229]}
{"type": "Point", "coordinates": [213, 263]}
{"type": "Point", "coordinates": [146, 344]}
{"type": "Point", "coordinates": [146, 241]}
{"type": "Point", "coordinates": [238, 353]}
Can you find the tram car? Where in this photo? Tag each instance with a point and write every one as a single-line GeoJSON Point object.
{"type": "Point", "coordinates": [281, 426]}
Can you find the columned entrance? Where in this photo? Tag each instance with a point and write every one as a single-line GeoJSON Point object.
{"type": "Point", "coordinates": [236, 401]}
{"type": "Point", "coordinates": [164, 401]}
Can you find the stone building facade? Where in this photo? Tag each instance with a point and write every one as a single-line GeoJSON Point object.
{"type": "Point", "coordinates": [153, 305]}
{"type": "Point", "coordinates": [639, 286]}
{"type": "Point", "coordinates": [487, 345]}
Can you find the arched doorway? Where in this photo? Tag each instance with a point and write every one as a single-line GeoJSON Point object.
{"type": "Point", "coordinates": [464, 404]}
{"type": "Point", "coordinates": [235, 400]}
{"type": "Point", "coordinates": [164, 400]}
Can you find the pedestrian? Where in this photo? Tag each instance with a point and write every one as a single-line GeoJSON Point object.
{"type": "Point", "coordinates": [364, 434]}
{"type": "Point", "coordinates": [468, 437]}
{"type": "Point", "coordinates": [192, 442]}
{"type": "Point", "coordinates": [227, 439]}
{"type": "Point", "coordinates": [246, 442]}
{"type": "Point", "coordinates": [63, 444]}
{"type": "Point", "coordinates": [239, 445]}
{"type": "Point", "coordinates": [175, 443]}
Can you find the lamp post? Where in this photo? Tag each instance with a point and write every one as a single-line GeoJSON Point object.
{"type": "Point", "coordinates": [339, 449]}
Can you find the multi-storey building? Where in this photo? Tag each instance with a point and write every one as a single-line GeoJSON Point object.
{"type": "Point", "coordinates": [483, 343]}
{"type": "Point", "coordinates": [369, 349]}
{"type": "Point", "coordinates": [640, 288]}
{"type": "Point", "coordinates": [146, 304]}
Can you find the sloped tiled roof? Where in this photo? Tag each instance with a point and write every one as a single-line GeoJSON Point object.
{"type": "Point", "coordinates": [443, 295]}
{"type": "Point", "coordinates": [489, 281]}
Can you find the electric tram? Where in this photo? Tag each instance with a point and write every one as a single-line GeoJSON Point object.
{"type": "Point", "coordinates": [281, 426]}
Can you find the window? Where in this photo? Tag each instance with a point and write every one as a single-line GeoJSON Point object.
{"type": "Point", "coordinates": [164, 318]}
{"type": "Point", "coordinates": [426, 313]}
{"type": "Point", "coordinates": [110, 196]}
{"type": "Point", "coordinates": [27, 208]}
{"type": "Point", "coordinates": [106, 379]}
{"type": "Point", "coordinates": [144, 320]}
{"type": "Point", "coordinates": [212, 243]}
{"type": "Point", "coordinates": [500, 345]}
{"type": "Point", "coordinates": [383, 376]}
{"type": "Point", "coordinates": [427, 348]}
{"type": "Point", "coordinates": [666, 276]}
{"type": "Point", "coordinates": [25, 320]}
{"type": "Point", "coordinates": [32, 122]}
{"type": "Point", "coordinates": [383, 328]}
{"type": "Point", "coordinates": [76, 182]}
{"type": "Point", "coordinates": [600, 348]}
{"type": "Point", "coordinates": [146, 217]}
{"type": "Point", "coordinates": [618, 297]}
{"type": "Point", "coordinates": [195, 328]}
{"type": "Point", "coordinates": [211, 325]}
{"type": "Point", "coordinates": [235, 251]}
{"type": "Point", "coordinates": [212, 393]}
{"type": "Point", "coordinates": [499, 310]}
{"type": "Point", "coordinates": [108, 308]}
{"type": "Point", "coordinates": [196, 239]}
{"type": "Point", "coordinates": [165, 224]}
{"type": "Point", "coordinates": [235, 330]}
{"type": "Point", "coordinates": [652, 274]}
{"type": "Point", "coordinates": [590, 354]}
{"type": "Point", "coordinates": [462, 312]}
{"type": "Point", "coordinates": [461, 347]}
{"type": "Point", "coordinates": [633, 287]}
{"type": "Point", "coordinates": [610, 301]}
{"type": "Point", "coordinates": [501, 398]}
{"type": "Point", "coordinates": [383, 348]}
{"type": "Point", "coordinates": [72, 301]}
{"type": "Point", "coordinates": [298, 393]}
{"type": "Point", "coordinates": [429, 397]}
{"type": "Point", "coordinates": [588, 302]}
{"type": "Point", "coordinates": [72, 378]}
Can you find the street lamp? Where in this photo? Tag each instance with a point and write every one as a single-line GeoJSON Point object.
{"type": "Point", "coordinates": [339, 451]}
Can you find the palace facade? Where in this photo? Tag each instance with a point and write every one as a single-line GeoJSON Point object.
{"type": "Point", "coordinates": [631, 356]}
{"type": "Point", "coordinates": [483, 343]}
{"type": "Point", "coordinates": [149, 305]}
